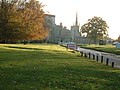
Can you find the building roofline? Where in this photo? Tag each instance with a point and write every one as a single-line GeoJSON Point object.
{"type": "Point", "coordinates": [50, 15]}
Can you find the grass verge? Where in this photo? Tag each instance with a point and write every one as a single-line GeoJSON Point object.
{"type": "Point", "coordinates": [51, 67]}
{"type": "Point", "coordinates": [103, 48]}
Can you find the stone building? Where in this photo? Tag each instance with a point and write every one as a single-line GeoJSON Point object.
{"type": "Point", "coordinates": [50, 24]}
{"type": "Point", "coordinates": [56, 32]}
{"type": "Point", "coordinates": [59, 33]}
{"type": "Point", "coordinates": [64, 34]}
{"type": "Point", "coordinates": [75, 33]}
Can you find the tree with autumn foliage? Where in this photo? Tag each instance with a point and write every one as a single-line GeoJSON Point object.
{"type": "Point", "coordinates": [22, 20]}
{"type": "Point", "coordinates": [6, 14]}
{"type": "Point", "coordinates": [95, 29]}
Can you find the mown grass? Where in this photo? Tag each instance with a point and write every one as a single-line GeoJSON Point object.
{"type": "Point", "coordinates": [103, 48]}
{"type": "Point", "coordinates": [51, 67]}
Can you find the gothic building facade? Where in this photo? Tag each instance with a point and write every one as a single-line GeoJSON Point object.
{"type": "Point", "coordinates": [75, 31]}
{"type": "Point", "coordinates": [59, 33]}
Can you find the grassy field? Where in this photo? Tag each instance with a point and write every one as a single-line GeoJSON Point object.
{"type": "Point", "coordinates": [51, 67]}
{"type": "Point", "coordinates": [104, 48]}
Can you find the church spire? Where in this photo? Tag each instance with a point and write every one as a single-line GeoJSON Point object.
{"type": "Point", "coordinates": [76, 22]}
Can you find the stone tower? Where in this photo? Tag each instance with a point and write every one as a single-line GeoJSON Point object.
{"type": "Point", "coordinates": [75, 34]}
{"type": "Point", "coordinates": [76, 22]}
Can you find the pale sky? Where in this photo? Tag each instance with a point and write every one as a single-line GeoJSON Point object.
{"type": "Point", "coordinates": [65, 12]}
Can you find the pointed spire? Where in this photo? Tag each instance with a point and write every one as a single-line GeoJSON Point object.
{"type": "Point", "coordinates": [76, 22]}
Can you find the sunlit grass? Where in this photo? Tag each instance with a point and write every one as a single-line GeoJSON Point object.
{"type": "Point", "coordinates": [51, 67]}
{"type": "Point", "coordinates": [105, 48]}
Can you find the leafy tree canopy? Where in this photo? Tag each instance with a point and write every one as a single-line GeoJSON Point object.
{"type": "Point", "coordinates": [22, 20]}
{"type": "Point", "coordinates": [95, 28]}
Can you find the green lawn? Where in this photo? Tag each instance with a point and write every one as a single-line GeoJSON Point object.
{"type": "Point", "coordinates": [51, 67]}
{"type": "Point", "coordinates": [104, 48]}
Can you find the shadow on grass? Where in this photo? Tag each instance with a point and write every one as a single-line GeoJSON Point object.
{"type": "Point", "coordinates": [8, 56]}
{"type": "Point", "coordinates": [53, 70]}
{"type": "Point", "coordinates": [23, 48]}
